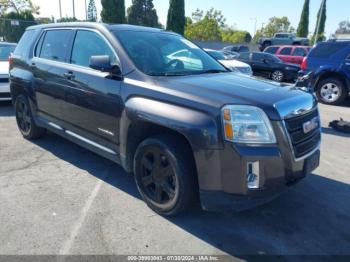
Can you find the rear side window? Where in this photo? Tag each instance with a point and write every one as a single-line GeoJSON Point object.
{"type": "Point", "coordinates": [55, 45]}
{"type": "Point", "coordinates": [325, 50]}
{"type": "Point", "coordinates": [299, 52]}
{"type": "Point", "coordinates": [89, 44]}
{"type": "Point", "coordinates": [271, 50]}
{"type": "Point", "coordinates": [286, 51]}
{"type": "Point", "coordinates": [258, 56]}
{"type": "Point", "coordinates": [24, 43]}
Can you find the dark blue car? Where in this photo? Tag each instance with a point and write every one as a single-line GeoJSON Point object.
{"type": "Point", "coordinates": [330, 62]}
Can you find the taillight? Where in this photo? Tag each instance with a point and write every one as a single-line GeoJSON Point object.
{"type": "Point", "coordinates": [304, 64]}
{"type": "Point", "coordinates": [10, 60]}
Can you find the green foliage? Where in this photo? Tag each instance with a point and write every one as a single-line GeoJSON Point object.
{"type": "Point", "coordinates": [303, 28]}
{"type": "Point", "coordinates": [236, 36]}
{"type": "Point", "coordinates": [344, 28]}
{"type": "Point", "coordinates": [92, 11]}
{"type": "Point", "coordinates": [176, 16]}
{"type": "Point", "coordinates": [276, 25]}
{"type": "Point", "coordinates": [17, 6]}
{"type": "Point", "coordinates": [205, 27]}
{"type": "Point", "coordinates": [12, 32]}
{"type": "Point", "coordinates": [67, 19]}
{"type": "Point", "coordinates": [210, 26]}
{"type": "Point", "coordinates": [319, 34]}
{"type": "Point", "coordinates": [113, 11]}
{"type": "Point", "coordinates": [142, 12]}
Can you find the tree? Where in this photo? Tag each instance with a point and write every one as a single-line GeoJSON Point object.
{"type": "Point", "coordinates": [344, 28]}
{"type": "Point", "coordinates": [113, 11]}
{"type": "Point", "coordinates": [17, 6]}
{"type": "Point", "coordinates": [235, 36]}
{"type": "Point", "coordinates": [276, 25]}
{"type": "Point", "coordinates": [321, 23]}
{"type": "Point", "coordinates": [205, 27]}
{"type": "Point", "coordinates": [92, 12]}
{"type": "Point", "coordinates": [176, 16]}
{"type": "Point", "coordinates": [67, 19]}
{"type": "Point", "coordinates": [303, 28]}
{"type": "Point", "coordinates": [142, 12]}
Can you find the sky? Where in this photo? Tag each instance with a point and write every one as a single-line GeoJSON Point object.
{"type": "Point", "coordinates": [242, 14]}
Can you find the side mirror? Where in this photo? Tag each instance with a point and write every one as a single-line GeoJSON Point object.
{"type": "Point", "coordinates": [265, 61]}
{"type": "Point", "coordinates": [103, 63]}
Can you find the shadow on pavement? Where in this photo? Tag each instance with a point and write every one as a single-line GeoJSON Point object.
{"type": "Point", "coordinates": [331, 131]}
{"type": "Point", "coordinates": [6, 109]}
{"type": "Point", "coordinates": [311, 218]}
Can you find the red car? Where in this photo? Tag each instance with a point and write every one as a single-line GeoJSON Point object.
{"type": "Point", "coordinates": [293, 54]}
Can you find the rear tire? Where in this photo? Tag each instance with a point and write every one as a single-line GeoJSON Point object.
{"type": "Point", "coordinates": [331, 91]}
{"type": "Point", "coordinates": [277, 76]}
{"type": "Point", "coordinates": [165, 175]}
{"type": "Point", "coordinates": [25, 120]}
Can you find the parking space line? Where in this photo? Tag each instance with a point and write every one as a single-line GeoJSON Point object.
{"type": "Point", "coordinates": [76, 228]}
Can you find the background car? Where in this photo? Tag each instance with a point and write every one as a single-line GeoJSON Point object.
{"type": "Point", "coordinates": [5, 50]}
{"type": "Point", "coordinates": [233, 65]}
{"type": "Point", "coordinates": [282, 39]}
{"type": "Point", "coordinates": [236, 48]}
{"type": "Point", "coordinates": [289, 53]}
{"type": "Point", "coordinates": [270, 66]}
{"type": "Point", "coordinates": [330, 62]}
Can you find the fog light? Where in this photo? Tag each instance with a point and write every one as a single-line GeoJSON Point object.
{"type": "Point", "coordinates": [253, 176]}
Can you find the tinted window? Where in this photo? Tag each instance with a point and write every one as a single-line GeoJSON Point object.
{"type": "Point", "coordinates": [299, 52]}
{"type": "Point", "coordinates": [157, 53]}
{"type": "Point", "coordinates": [5, 51]}
{"type": "Point", "coordinates": [88, 44]}
{"type": "Point", "coordinates": [243, 49]}
{"type": "Point", "coordinates": [24, 43]}
{"type": "Point", "coordinates": [55, 45]}
{"type": "Point", "coordinates": [271, 49]}
{"type": "Point", "coordinates": [325, 50]}
{"type": "Point", "coordinates": [258, 56]}
{"type": "Point", "coordinates": [282, 35]}
{"type": "Point", "coordinates": [286, 51]}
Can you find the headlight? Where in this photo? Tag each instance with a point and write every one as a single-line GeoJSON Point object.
{"type": "Point", "coordinates": [247, 124]}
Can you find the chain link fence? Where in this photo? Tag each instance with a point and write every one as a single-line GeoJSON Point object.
{"type": "Point", "coordinates": [11, 30]}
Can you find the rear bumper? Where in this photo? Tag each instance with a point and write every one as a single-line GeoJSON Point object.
{"type": "Point", "coordinates": [5, 92]}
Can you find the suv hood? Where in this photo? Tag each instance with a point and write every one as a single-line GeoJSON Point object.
{"type": "Point", "coordinates": [217, 90]}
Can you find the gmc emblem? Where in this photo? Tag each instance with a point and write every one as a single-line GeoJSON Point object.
{"type": "Point", "coordinates": [311, 125]}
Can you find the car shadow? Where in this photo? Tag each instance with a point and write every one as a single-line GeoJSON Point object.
{"type": "Point", "coordinates": [331, 131]}
{"type": "Point", "coordinates": [6, 109]}
{"type": "Point", "coordinates": [311, 218]}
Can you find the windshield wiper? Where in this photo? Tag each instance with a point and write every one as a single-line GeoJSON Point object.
{"type": "Point", "coordinates": [213, 71]}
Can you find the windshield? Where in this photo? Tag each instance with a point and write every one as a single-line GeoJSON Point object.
{"type": "Point", "coordinates": [217, 55]}
{"type": "Point", "coordinates": [5, 51]}
{"type": "Point", "coordinates": [165, 54]}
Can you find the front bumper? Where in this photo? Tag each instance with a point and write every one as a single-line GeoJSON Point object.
{"type": "Point", "coordinates": [5, 91]}
{"type": "Point", "coordinates": [278, 169]}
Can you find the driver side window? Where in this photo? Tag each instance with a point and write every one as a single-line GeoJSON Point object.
{"type": "Point", "coordinates": [87, 44]}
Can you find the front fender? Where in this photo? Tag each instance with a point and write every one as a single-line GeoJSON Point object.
{"type": "Point", "coordinates": [200, 129]}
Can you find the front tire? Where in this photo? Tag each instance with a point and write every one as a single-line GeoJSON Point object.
{"type": "Point", "coordinates": [165, 175]}
{"type": "Point", "coordinates": [331, 91]}
{"type": "Point", "coordinates": [25, 120]}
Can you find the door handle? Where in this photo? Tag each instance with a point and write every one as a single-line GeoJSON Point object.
{"type": "Point", "coordinates": [32, 65]}
{"type": "Point", "coordinates": [69, 75]}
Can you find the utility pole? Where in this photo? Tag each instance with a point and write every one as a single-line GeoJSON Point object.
{"type": "Point", "coordinates": [256, 23]}
{"type": "Point", "coordinates": [319, 21]}
{"type": "Point", "coordinates": [86, 15]}
{"type": "Point", "coordinates": [59, 2]}
{"type": "Point", "coordinates": [73, 9]}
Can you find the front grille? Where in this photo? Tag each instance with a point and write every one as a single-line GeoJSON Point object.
{"type": "Point", "coordinates": [303, 143]}
{"type": "Point", "coordinates": [4, 80]}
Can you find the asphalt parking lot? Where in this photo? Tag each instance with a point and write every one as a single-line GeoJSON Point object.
{"type": "Point", "coordinates": [57, 198]}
